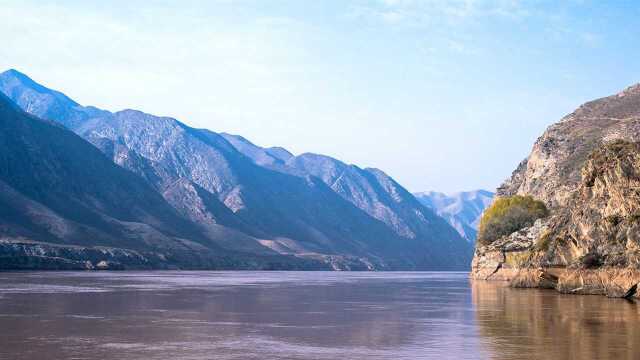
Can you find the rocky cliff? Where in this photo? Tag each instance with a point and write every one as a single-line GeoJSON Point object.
{"type": "Point", "coordinates": [586, 168]}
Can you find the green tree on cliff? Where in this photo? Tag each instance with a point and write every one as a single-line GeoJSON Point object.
{"type": "Point", "coordinates": [507, 215]}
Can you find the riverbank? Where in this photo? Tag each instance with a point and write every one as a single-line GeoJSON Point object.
{"type": "Point", "coordinates": [610, 282]}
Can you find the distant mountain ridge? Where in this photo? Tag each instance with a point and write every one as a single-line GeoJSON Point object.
{"type": "Point", "coordinates": [261, 201]}
{"type": "Point", "coordinates": [462, 210]}
{"type": "Point", "coordinates": [369, 189]}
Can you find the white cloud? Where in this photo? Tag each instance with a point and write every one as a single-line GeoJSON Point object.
{"type": "Point", "coordinates": [430, 12]}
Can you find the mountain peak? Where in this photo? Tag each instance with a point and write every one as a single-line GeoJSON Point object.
{"type": "Point", "coordinates": [631, 90]}
{"type": "Point", "coordinates": [376, 171]}
{"type": "Point", "coordinates": [280, 153]}
{"type": "Point", "coordinates": [17, 85]}
{"type": "Point", "coordinates": [23, 80]}
{"type": "Point", "coordinates": [13, 72]}
{"type": "Point", "coordinates": [311, 155]}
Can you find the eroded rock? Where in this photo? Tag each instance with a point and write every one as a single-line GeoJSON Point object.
{"type": "Point", "coordinates": [586, 168]}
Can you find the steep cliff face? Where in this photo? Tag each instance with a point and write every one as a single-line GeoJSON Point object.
{"type": "Point", "coordinates": [603, 215]}
{"type": "Point", "coordinates": [587, 169]}
{"type": "Point", "coordinates": [552, 170]}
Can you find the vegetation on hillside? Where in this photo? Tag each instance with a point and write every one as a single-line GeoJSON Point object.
{"type": "Point", "coordinates": [507, 215]}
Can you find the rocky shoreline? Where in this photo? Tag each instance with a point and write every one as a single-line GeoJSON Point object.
{"type": "Point", "coordinates": [517, 260]}
{"type": "Point", "coordinates": [29, 255]}
{"type": "Point", "coordinates": [610, 282]}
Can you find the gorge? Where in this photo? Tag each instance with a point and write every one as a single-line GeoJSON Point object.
{"type": "Point", "coordinates": [85, 188]}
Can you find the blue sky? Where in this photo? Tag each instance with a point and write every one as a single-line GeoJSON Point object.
{"type": "Point", "coordinates": [443, 96]}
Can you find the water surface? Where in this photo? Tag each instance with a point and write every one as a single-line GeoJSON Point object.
{"type": "Point", "coordinates": [302, 315]}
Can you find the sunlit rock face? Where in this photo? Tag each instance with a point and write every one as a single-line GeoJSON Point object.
{"type": "Point", "coordinates": [587, 170]}
{"type": "Point", "coordinates": [553, 169]}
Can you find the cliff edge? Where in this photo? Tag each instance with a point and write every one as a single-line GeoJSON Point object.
{"type": "Point", "coordinates": [586, 169]}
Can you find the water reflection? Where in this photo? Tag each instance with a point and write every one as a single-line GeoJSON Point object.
{"type": "Point", "coordinates": [261, 315]}
{"type": "Point", "coordinates": [236, 316]}
{"type": "Point", "coordinates": [542, 324]}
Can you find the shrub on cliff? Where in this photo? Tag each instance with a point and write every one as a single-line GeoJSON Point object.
{"type": "Point", "coordinates": [507, 215]}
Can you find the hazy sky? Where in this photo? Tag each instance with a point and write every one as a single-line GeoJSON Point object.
{"type": "Point", "coordinates": [441, 95]}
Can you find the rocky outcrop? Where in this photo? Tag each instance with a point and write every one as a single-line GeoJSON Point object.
{"type": "Point", "coordinates": [552, 170]}
{"type": "Point", "coordinates": [587, 170]}
{"type": "Point", "coordinates": [502, 259]}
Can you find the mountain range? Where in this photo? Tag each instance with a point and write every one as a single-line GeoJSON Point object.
{"type": "Point", "coordinates": [84, 186]}
{"type": "Point", "coordinates": [462, 210]}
